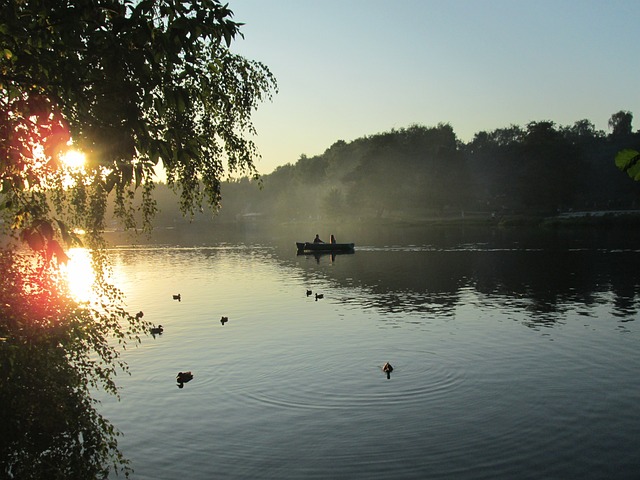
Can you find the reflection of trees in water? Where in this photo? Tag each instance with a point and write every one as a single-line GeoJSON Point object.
{"type": "Point", "coordinates": [419, 282]}
{"type": "Point", "coordinates": [624, 301]}
{"type": "Point", "coordinates": [542, 284]}
{"type": "Point", "coordinates": [412, 302]}
{"type": "Point", "coordinates": [546, 282]}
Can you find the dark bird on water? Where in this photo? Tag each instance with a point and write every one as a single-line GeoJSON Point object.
{"type": "Point", "coordinates": [309, 292]}
{"type": "Point", "coordinates": [224, 320]}
{"type": "Point", "coordinates": [183, 377]}
{"type": "Point", "coordinates": [387, 368]}
{"type": "Point", "coordinates": [176, 297]}
{"type": "Point", "coordinates": [156, 330]}
{"type": "Point", "coordinates": [318, 296]}
{"type": "Point", "coordinates": [139, 315]}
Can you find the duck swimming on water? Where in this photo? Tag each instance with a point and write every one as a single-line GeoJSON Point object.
{"type": "Point", "coordinates": [183, 377]}
{"type": "Point", "coordinates": [156, 330]}
{"type": "Point", "coordinates": [387, 368]}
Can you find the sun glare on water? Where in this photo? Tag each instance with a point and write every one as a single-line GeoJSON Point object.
{"type": "Point", "coordinates": [79, 274]}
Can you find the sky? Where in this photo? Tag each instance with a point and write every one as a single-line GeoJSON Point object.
{"type": "Point", "coordinates": [347, 69]}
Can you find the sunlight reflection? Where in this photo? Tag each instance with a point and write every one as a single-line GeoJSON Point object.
{"type": "Point", "coordinates": [79, 274]}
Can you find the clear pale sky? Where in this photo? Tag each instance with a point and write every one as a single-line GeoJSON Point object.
{"type": "Point", "coordinates": [352, 68]}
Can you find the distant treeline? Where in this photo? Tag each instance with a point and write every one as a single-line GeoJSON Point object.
{"type": "Point", "coordinates": [419, 172]}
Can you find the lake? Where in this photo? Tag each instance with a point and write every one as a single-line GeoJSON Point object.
{"type": "Point", "coordinates": [515, 355]}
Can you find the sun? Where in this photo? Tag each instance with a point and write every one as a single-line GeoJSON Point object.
{"type": "Point", "coordinates": [73, 159]}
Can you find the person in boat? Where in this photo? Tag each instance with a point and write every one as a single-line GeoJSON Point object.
{"type": "Point", "coordinates": [333, 239]}
{"type": "Point", "coordinates": [317, 239]}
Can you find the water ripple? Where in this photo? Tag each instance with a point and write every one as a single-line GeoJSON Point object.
{"type": "Point", "coordinates": [334, 390]}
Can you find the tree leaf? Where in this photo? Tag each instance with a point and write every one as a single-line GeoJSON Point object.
{"type": "Point", "coordinates": [629, 161]}
{"type": "Point", "coordinates": [46, 229]}
{"type": "Point", "coordinates": [110, 182]}
{"type": "Point", "coordinates": [54, 248]}
{"type": "Point", "coordinates": [34, 239]}
{"type": "Point", "coordinates": [139, 174]}
{"type": "Point", "coordinates": [64, 232]}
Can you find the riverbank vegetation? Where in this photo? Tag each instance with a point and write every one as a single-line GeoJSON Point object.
{"type": "Point", "coordinates": [537, 174]}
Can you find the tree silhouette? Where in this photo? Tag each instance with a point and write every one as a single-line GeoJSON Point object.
{"type": "Point", "coordinates": [620, 123]}
{"type": "Point", "coordinates": [135, 86]}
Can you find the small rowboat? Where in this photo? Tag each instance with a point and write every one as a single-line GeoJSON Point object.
{"type": "Point", "coordinates": [324, 247]}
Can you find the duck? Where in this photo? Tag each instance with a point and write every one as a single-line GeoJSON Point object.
{"type": "Point", "coordinates": [387, 368]}
{"type": "Point", "coordinates": [139, 315]}
{"type": "Point", "coordinates": [183, 377]}
{"type": "Point", "coordinates": [309, 292]}
{"type": "Point", "coordinates": [224, 320]}
{"type": "Point", "coordinates": [319, 295]}
{"type": "Point", "coordinates": [156, 330]}
{"type": "Point", "coordinates": [177, 297]}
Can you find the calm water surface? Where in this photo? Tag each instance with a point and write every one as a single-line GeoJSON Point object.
{"type": "Point", "coordinates": [510, 361]}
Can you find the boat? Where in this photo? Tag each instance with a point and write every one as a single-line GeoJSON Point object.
{"type": "Point", "coordinates": [324, 247]}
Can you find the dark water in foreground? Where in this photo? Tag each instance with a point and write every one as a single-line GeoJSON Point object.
{"type": "Point", "coordinates": [513, 359]}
